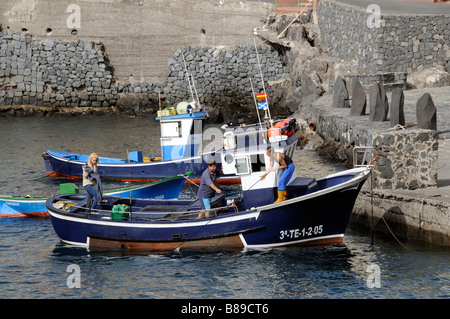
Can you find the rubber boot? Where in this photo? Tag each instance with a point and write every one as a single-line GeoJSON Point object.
{"type": "Point", "coordinates": [280, 197]}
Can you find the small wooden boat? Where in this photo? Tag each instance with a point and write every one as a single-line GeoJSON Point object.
{"type": "Point", "coordinates": [26, 206]}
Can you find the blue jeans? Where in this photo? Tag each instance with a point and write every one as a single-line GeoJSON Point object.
{"type": "Point", "coordinates": [285, 177]}
{"type": "Point", "coordinates": [91, 194]}
{"type": "Point", "coordinates": [207, 203]}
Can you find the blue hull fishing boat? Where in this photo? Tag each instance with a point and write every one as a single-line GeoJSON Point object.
{"type": "Point", "coordinates": [25, 206]}
{"type": "Point", "coordinates": [316, 212]}
{"type": "Point", "coordinates": [181, 138]}
{"type": "Point", "coordinates": [181, 145]}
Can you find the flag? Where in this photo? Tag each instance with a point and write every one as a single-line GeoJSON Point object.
{"type": "Point", "coordinates": [261, 96]}
{"type": "Point", "coordinates": [262, 106]}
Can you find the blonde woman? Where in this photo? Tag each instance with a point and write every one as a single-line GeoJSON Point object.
{"type": "Point", "coordinates": [91, 181]}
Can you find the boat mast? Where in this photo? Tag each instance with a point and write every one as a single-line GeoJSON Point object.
{"type": "Point", "coordinates": [188, 78]}
{"type": "Point", "coordinates": [257, 111]}
{"type": "Point", "coordinates": [195, 90]}
{"type": "Point", "coordinates": [267, 110]}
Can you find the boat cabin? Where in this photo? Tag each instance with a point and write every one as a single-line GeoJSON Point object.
{"type": "Point", "coordinates": [245, 155]}
{"type": "Point", "coordinates": [181, 132]}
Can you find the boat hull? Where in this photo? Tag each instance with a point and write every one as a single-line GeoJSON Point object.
{"type": "Point", "coordinates": [319, 218]}
{"type": "Point", "coordinates": [23, 207]}
{"type": "Point", "coordinates": [67, 165]}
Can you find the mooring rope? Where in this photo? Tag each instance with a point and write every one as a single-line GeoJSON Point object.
{"type": "Point", "coordinates": [55, 171]}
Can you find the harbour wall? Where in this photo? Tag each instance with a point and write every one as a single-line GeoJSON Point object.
{"type": "Point", "coordinates": [139, 36]}
{"type": "Point", "coordinates": [95, 54]}
{"type": "Point", "coordinates": [79, 74]}
{"type": "Point", "coordinates": [385, 42]}
{"type": "Point", "coordinates": [408, 192]}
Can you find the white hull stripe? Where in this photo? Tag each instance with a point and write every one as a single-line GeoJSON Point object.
{"type": "Point", "coordinates": [295, 242]}
{"type": "Point", "coordinates": [159, 225]}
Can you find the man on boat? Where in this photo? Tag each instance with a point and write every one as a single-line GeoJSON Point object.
{"type": "Point", "coordinates": [286, 165]}
{"type": "Point", "coordinates": [208, 187]}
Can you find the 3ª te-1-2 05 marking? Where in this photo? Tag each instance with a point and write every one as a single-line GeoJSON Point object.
{"type": "Point", "coordinates": [297, 233]}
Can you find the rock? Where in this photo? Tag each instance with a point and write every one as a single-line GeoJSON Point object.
{"type": "Point", "coordinates": [431, 77]}
{"type": "Point", "coordinates": [294, 100]}
{"type": "Point", "coordinates": [340, 95]}
{"type": "Point", "coordinates": [379, 106]}
{"type": "Point", "coordinates": [359, 99]}
{"type": "Point", "coordinates": [310, 139]}
{"type": "Point", "coordinates": [397, 104]}
{"type": "Point", "coordinates": [426, 113]}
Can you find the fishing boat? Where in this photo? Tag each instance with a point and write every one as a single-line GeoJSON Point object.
{"type": "Point", "coordinates": [27, 206]}
{"type": "Point", "coordinates": [181, 138]}
{"type": "Point", "coordinates": [181, 145]}
{"type": "Point", "coordinates": [316, 212]}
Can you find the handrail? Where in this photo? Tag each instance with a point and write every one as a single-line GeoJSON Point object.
{"type": "Point", "coordinates": [365, 150]}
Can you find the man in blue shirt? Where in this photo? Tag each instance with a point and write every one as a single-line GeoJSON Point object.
{"type": "Point", "coordinates": [208, 187]}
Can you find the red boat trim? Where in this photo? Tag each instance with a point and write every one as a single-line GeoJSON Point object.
{"type": "Point", "coordinates": [23, 215]}
{"type": "Point", "coordinates": [229, 242]}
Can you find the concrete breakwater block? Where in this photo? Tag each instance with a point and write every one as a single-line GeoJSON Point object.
{"type": "Point", "coordinates": [397, 105]}
{"type": "Point", "coordinates": [340, 95]}
{"type": "Point", "coordinates": [378, 102]}
{"type": "Point", "coordinates": [359, 99]}
{"type": "Point", "coordinates": [426, 113]}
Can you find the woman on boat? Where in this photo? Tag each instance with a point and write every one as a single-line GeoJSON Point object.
{"type": "Point", "coordinates": [286, 165]}
{"type": "Point", "coordinates": [208, 187]}
{"type": "Point", "coordinates": [91, 181]}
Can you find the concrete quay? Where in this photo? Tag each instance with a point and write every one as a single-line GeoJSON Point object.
{"type": "Point", "coordinates": [421, 214]}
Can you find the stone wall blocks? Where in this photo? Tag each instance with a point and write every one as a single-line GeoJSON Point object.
{"type": "Point", "coordinates": [78, 74]}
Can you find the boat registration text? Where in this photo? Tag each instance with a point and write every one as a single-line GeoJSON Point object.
{"type": "Point", "coordinates": [297, 233]}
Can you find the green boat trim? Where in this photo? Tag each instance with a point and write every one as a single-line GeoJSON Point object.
{"type": "Point", "coordinates": [146, 184]}
{"type": "Point", "coordinates": [28, 198]}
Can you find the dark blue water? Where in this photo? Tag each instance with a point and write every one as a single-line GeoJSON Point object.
{"type": "Point", "coordinates": [35, 264]}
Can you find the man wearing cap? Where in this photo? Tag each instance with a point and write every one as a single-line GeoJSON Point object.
{"type": "Point", "coordinates": [208, 187]}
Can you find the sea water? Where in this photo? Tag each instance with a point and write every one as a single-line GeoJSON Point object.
{"type": "Point", "coordinates": [35, 264]}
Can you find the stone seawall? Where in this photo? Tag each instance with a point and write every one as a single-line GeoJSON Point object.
{"type": "Point", "coordinates": [399, 43]}
{"type": "Point", "coordinates": [139, 35]}
{"type": "Point", "coordinates": [408, 159]}
{"type": "Point", "coordinates": [79, 74]}
{"type": "Point", "coordinates": [409, 186]}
